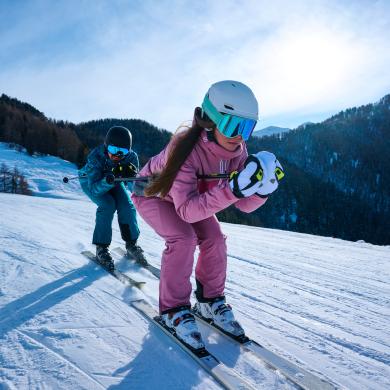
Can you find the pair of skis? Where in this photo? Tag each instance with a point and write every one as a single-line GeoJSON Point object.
{"type": "Point", "coordinates": [227, 377]}
{"type": "Point", "coordinates": [122, 277]}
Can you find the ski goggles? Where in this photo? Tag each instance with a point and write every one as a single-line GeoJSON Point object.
{"type": "Point", "coordinates": [229, 125]}
{"type": "Point", "coordinates": [117, 151]}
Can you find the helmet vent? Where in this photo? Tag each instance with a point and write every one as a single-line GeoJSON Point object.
{"type": "Point", "coordinates": [228, 107]}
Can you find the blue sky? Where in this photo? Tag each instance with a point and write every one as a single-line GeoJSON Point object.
{"type": "Point", "coordinates": [154, 60]}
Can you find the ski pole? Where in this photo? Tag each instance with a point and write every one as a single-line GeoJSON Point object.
{"type": "Point", "coordinates": [215, 176]}
{"type": "Point", "coordinates": [146, 178]}
{"type": "Point", "coordinates": [110, 178]}
{"type": "Point", "coordinates": [66, 179]}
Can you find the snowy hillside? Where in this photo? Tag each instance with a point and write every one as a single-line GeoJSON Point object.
{"type": "Point", "coordinates": [65, 323]}
{"type": "Point", "coordinates": [43, 173]}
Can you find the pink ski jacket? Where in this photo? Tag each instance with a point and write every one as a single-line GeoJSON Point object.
{"type": "Point", "coordinates": [197, 199]}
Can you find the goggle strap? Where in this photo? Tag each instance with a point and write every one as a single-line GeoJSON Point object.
{"type": "Point", "coordinates": [202, 119]}
{"type": "Point", "coordinates": [210, 110]}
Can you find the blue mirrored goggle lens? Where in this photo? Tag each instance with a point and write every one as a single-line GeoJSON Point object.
{"type": "Point", "coordinates": [116, 150]}
{"type": "Point", "coordinates": [232, 126]}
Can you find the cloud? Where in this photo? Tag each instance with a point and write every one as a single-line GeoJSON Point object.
{"type": "Point", "coordinates": [155, 59]}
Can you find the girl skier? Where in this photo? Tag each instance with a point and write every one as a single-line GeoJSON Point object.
{"type": "Point", "coordinates": [113, 159]}
{"type": "Point", "coordinates": [181, 207]}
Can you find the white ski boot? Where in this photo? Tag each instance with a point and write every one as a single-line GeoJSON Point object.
{"type": "Point", "coordinates": [184, 325]}
{"type": "Point", "coordinates": [221, 315]}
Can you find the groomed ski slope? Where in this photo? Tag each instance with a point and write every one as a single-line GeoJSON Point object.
{"type": "Point", "coordinates": [65, 323]}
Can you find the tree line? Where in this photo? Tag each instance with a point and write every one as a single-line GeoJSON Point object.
{"type": "Point", "coordinates": [22, 124]}
{"type": "Point", "coordinates": [337, 179]}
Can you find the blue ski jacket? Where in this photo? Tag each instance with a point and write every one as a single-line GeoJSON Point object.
{"type": "Point", "coordinates": [92, 175]}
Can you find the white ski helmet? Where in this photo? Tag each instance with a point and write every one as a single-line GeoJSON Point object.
{"type": "Point", "coordinates": [235, 98]}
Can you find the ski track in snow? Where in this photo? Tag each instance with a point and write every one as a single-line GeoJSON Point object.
{"type": "Point", "coordinates": [321, 303]}
{"type": "Point", "coordinates": [61, 357]}
{"type": "Point", "coordinates": [324, 321]}
{"type": "Point", "coordinates": [324, 303]}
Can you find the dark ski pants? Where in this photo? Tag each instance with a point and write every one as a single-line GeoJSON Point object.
{"type": "Point", "coordinates": [117, 199]}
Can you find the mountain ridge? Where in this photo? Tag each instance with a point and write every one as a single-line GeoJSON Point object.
{"type": "Point", "coordinates": [324, 163]}
{"type": "Point", "coordinates": [270, 130]}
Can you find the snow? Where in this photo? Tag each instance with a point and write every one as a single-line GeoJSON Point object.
{"type": "Point", "coordinates": [320, 302]}
{"type": "Point", "coordinates": [43, 173]}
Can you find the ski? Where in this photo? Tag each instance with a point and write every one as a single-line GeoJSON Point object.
{"type": "Point", "coordinates": [151, 268]}
{"type": "Point", "coordinates": [221, 373]}
{"type": "Point", "coordinates": [298, 375]}
{"type": "Point", "coordinates": [125, 279]}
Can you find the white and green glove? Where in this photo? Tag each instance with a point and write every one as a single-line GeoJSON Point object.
{"type": "Point", "coordinates": [261, 175]}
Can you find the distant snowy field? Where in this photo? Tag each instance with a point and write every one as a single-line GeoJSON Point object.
{"type": "Point", "coordinates": [65, 323]}
{"type": "Point", "coordinates": [43, 173]}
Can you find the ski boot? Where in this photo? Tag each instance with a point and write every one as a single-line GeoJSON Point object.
{"type": "Point", "coordinates": [220, 314]}
{"type": "Point", "coordinates": [103, 255]}
{"type": "Point", "coordinates": [135, 251]}
{"type": "Point", "coordinates": [182, 322]}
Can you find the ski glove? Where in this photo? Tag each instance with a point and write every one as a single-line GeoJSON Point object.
{"type": "Point", "coordinates": [120, 171]}
{"type": "Point", "coordinates": [272, 173]}
{"type": "Point", "coordinates": [124, 170]}
{"type": "Point", "coordinates": [260, 175]}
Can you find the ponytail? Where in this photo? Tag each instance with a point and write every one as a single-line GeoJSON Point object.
{"type": "Point", "coordinates": [162, 183]}
{"type": "Point", "coordinates": [183, 144]}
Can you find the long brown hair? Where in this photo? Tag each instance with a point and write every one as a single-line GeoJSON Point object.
{"type": "Point", "coordinates": [184, 142]}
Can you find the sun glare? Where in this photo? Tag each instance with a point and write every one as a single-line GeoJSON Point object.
{"type": "Point", "coordinates": [316, 63]}
{"type": "Point", "coordinates": [307, 68]}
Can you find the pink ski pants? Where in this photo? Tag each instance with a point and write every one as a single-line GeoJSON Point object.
{"type": "Point", "coordinates": [181, 239]}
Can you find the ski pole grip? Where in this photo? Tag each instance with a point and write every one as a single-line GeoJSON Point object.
{"type": "Point", "coordinates": [65, 179]}
{"type": "Point", "coordinates": [110, 178]}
